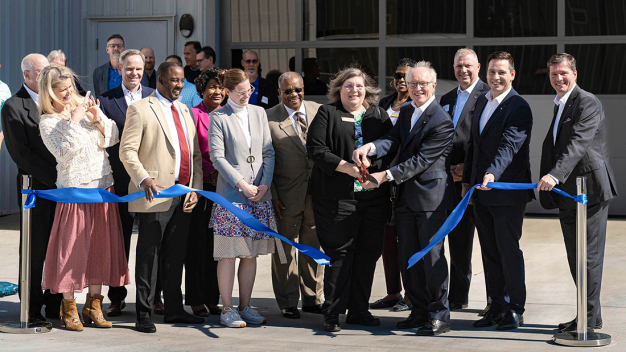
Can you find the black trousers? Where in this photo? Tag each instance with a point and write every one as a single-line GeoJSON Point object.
{"type": "Point", "coordinates": [200, 267]}
{"type": "Point", "coordinates": [426, 283]}
{"type": "Point", "coordinates": [499, 232]}
{"type": "Point", "coordinates": [597, 215]}
{"type": "Point", "coordinates": [118, 294]}
{"type": "Point", "coordinates": [162, 243]}
{"type": "Point", "coordinates": [351, 233]}
{"type": "Point", "coordinates": [42, 218]}
{"type": "Point", "coordinates": [460, 243]}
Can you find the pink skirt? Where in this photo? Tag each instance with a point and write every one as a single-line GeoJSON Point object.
{"type": "Point", "coordinates": [86, 247]}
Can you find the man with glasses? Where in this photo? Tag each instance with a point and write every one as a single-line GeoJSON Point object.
{"type": "Point", "coordinates": [289, 123]}
{"type": "Point", "coordinates": [424, 135]}
{"type": "Point", "coordinates": [205, 58]}
{"type": "Point", "coordinates": [107, 77]}
{"type": "Point", "coordinates": [264, 94]}
{"type": "Point", "coordinates": [20, 123]}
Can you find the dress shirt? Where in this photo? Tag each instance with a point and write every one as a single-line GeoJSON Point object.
{"type": "Point", "coordinates": [255, 95]}
{"type": "Point", "coordinates": [244, 120]}
{"type": "Point", "coordinates": [561, 103]}
{"type": "Point", "coordinates": [294, 117]}
{"type": "Point", "coordinates": [189, 95]}
{"type": "Point", "coordinates": [492, 105]}
{"type": "Point", "coordinates": [461, 100]}
{"type": "Point", "coordinates": [131, 97]}
{"type": "Point", "coordinates": [115, 79]}
{"type": "Point", "coordinates": [33, 95]}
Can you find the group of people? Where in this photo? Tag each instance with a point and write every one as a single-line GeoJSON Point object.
{"type": "Point", "coordinates": [358, 177]}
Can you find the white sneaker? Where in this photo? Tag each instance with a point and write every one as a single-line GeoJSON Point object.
{"type": "Point", "coordinates": [251, 316]}
{"type": "Point", "coordinates": [231, 318]}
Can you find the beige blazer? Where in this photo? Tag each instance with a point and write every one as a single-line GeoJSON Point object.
{"type": "Point", "coordinates": [292, 169]}
{"type": "Point", "coordinates": [146, 150]}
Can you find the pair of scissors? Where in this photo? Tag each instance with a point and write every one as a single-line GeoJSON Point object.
{"type": "Point", "coordinates": [365, 176]}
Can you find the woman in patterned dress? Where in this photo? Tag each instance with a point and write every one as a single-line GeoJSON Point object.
{"type": "Point", "coordinates": [241, 150]}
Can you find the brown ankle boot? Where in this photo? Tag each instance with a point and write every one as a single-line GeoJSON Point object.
{"type": "Point", "coordinates": [69, 315]}
{"type": "Point", "coordinates": [94, 312]}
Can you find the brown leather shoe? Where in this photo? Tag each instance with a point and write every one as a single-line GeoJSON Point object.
{"type": "Point", "coordinates": [158, 307]}
{"type": "Point", "coordinates": [115, 308]}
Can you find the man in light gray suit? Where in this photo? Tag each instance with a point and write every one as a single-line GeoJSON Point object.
{"type": "Point", "coordinates": [289, 122]}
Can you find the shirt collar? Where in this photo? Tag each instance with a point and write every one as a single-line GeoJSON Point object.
{"type": "Point", "coordinates": [468, 90]}
{"type": "Point", "coordinates": [128, 92]}
{"type": "Point", "coordinates": [500, 97]}
{"type": "Point", "coordinates": [291, 112]}
{"type": "Point", "coordinates": [163, 100]}
{"type": "Point", "coordinates": [563, 100]}
{"type": "Point", "coordinates": [256, 81]}
{"type": "Point", "coordinates": [32, 94]}
{"type": "Point", "coordinates": [423, 107]}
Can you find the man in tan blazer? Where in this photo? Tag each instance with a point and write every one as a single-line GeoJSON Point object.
{"type": "Point", "coordinates": [289, 122]}
{"type": "Point", "coordinates": [159, 148]}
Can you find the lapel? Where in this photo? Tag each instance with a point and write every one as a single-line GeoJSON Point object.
{"type": "Point", "coordinates": [406, 123]}
{"type": "Point", "coordinates": [478, 112]}
{"type": "Point", "coordinates": [120, 101]}
{"type": "Point", "coordinates": [452, 105]}
{"type": "Point", "coordinates": [566, 109]}
{"type": "Point", "coordinates": [203, 116]}
{"type": "Point", "coordinates": [496, 114]}
{"type": "Point", "coordinates": [422, 120]}
{"type": "Point", "coordinates": [29, 105]}
{"type": "Point", "coordinates": [471, 101]}
{"type": "Point", "coordinates": [155, 105]}
{"type": "Point", "coordinates": [287, 126]}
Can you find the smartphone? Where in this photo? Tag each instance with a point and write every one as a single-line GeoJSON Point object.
{"type": "Point", "coordinates": [87, 97]}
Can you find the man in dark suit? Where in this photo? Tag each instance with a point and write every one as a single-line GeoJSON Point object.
{"type": "Point", "coordinates": [114, 104]}
{"type": "Point", "coordinates": [576, 146]}
{"type": "Point", "coordinates": [20, 123]}
{"type": "Point", "coordinates": [458, 103]}
{"type": "Point", "coordinates": [265, 92]}
{"type": "Point", "coordinates": [106, 76]}
{"type": "Point", "coordinates": [192, 69]}
{"type": "Point", "coordinates": [499, 151]}
{"type": "Point", "coordinates": [423, 135]}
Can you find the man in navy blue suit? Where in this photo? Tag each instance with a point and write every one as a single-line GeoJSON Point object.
{"type": "Point", "coordinates": [114, 103]}
{"type": "Point", "coordinates": [499, 151]}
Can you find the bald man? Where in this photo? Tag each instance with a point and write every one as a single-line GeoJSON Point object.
{"type": "Point", "coordinates": [20, 122]}
{"type": "Point", "coordinates": [149, 73]}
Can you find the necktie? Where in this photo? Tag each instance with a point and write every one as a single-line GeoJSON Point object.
{"type": "Point", "coordinates": [183, 175]}
{"type": "Point", "coordinates": [303, 127]}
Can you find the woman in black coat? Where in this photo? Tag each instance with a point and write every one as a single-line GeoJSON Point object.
{"type": "Point", "coordinates": [349, 219]}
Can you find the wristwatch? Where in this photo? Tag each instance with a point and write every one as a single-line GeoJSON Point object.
{"type": "Point", "coordinates": [387, 176]}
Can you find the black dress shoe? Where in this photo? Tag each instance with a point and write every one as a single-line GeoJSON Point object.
{"type": "Point", "coordinates": [364, 318]}
{"type": "Point", "coordinates": [331, 323]}
{"type": "Point", "coordinates": [433, 328]}
{"type": "Point", "coordinates": [145, 325]}
{"type": "Point", "coordinates": [183, 318]}
{"type": "Point", "coordinates": [115, 308]}
{"type": "Point", "coordinates": [379, 304]}
{"type": "Point", "coordinates": [291, 312]}
{"type": "Point", "coordinates": [571, 326]}
{"type": "Point", "coordinates": [484, 311]}
{"type": "Point", "coordinates": [158, 307]}
{"type": "Point", "coordinates": [491, 318]}
{"type": "Point", "coordinates": [412, 322]}
{"type": "Point", "coordinates": [511, 321]}
{"type": "Point", "coordinates": [214, 309]}
{"type": "Point", "coordinates": [315, 309]}
{"type": "Point", "coordinates": [36, 318]}
{"type": "Point", "coordinates": [457, 306]}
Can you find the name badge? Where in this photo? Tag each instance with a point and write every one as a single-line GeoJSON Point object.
{"type": "Point", "coordinates": [264, 100]}
{"type": "Point", "coordinates": [347, 119]}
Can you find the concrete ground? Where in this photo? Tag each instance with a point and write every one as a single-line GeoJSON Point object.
{"type": "Point", "coordinates": [551, 299]}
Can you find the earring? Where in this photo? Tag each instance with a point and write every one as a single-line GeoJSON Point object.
{"type": "Point", "coordinates": [391, 84]}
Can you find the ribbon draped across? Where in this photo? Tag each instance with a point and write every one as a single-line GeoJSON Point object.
{"type": "Point", "coordinates": [457, 213]}
{"type": "Point", "coordinates": [99, 195]}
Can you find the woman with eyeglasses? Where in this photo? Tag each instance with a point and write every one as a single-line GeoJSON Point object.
{"type": "Point", "coordinates": [392, 104]}
{"type": "Point", "coordinates": [350, 219]}
{"type": "Point", "coordinates": [241, 150]}
{"type": "Point", "coordinates": [201, 288]}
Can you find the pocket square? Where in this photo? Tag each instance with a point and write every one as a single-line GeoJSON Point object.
{"type": "Point", "coordinates": [446, 107]}
{"type": "Point", "coordinates": [567, 120]}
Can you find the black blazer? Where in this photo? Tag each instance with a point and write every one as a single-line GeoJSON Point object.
{"type": "Point", "coordinates": [422, 171]}
{"type": "Point", "coordinates": [386, 102]}
{"type": "Point", "coordinates": [270, 91]}
{"type": "Point", "coordinates": [580, 150]}
{"type": "Point", "coordinates": [114, 106]}
{"type": "Point", "coordinates": [464, 125]}
{"type": "Point", "coordinates": [330, 139]}
{"type": "Point", "coordinates": [20, 122]}
{"type": "Point", "coordinates": [501, 149]}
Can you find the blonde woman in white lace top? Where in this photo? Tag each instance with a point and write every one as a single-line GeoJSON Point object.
{"type": "Point", "coordinates": [86, 245]}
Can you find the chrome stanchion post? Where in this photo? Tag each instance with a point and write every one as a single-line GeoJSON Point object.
{"type": "Point", "coordinates": [24, 327]}
{"type": "Point", "coordinates": [582, 337]}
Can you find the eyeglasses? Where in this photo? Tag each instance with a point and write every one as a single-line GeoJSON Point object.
{"type": "Point", "coordinates": [398, 75]}
{"type": "Point", "coordinates": [215, 88]}
{"type": "Point", "coordinates": [289, 91]}
{"type": "Point", "coordinates": [251, 61]}
{"type": "Point", "coordinates": [116, 46]}
{"type": "Point", "coordinates": [249, 92]}
{"type": "Point", "coordinates": [351, 87]}
{"type": "Point", "coordinates": [422, 85]}
{"type": "Point", "coordinates": [199, 61]}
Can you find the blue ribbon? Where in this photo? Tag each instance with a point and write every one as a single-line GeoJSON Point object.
{"type": "Point", "coordinates": [99, 195]}
{"type": "Point", "coordinates": [457, 213]}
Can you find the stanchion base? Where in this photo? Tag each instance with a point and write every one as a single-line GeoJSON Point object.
{"type": "Point", "coordinates": [594, 339]}
{"type": "Point", "coordinates": [16, 328]}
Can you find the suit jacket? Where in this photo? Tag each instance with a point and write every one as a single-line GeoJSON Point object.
{"type": "Point", "coordinates": [20, 123]}
{"type": "Point", "coordinates": [580, 150]}
{"type": "Point", "coordinates": [292, 169]}
{"type": "Point", "coordinates": [113, 104]}
{"type": "Point", "coordinates": [501, 149]}
{"type": "Point", "coordinates": [331, 139]}
{"type": "Point", "coordinates": [464, 125]}
{"type": "Point", "coordinates": [101, 79]}
{"type": "Point", "coordinates": [386, 102]}
{"type": "Point", "coordinates": [422, 172]}
{"type": "Point", "coordinates": [229, 152]}
{"type": "Point", "coordinates": [270, 91]}
{"type": "Point", "coordinates": [146, 150]}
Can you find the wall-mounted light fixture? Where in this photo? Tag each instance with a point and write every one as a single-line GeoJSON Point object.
{"type": "Point", "coordinates": [185, 24]}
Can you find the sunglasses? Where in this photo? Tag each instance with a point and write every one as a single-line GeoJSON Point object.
{"type": "Point", "coordinates": [398, 75]}
{"type": "Point", "coordinates": [289, 91]}
{"type": "Point", "coordinates": [251, 61]}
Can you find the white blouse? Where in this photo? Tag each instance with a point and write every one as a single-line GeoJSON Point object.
{"type": "Point", "coordinates": [79, 148]}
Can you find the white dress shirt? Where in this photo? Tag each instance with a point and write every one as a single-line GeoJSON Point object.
{"type": "Point", "coordinates": [492, 105]}
{"type": "Point", "coordinates": [241, 112]}
{"type": "Point", "coordinates": [171, 125]}
{"type": "Point", "coordinates": [561, 103]}
{"type": "Point", "coordinates": [32, 94]}
{"type": "Point", "coordinates": [461, 100]}
{"type": "Point", "coordinates": [131, 97]}
{"type": "Point", "coordinates": [294, 117]}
